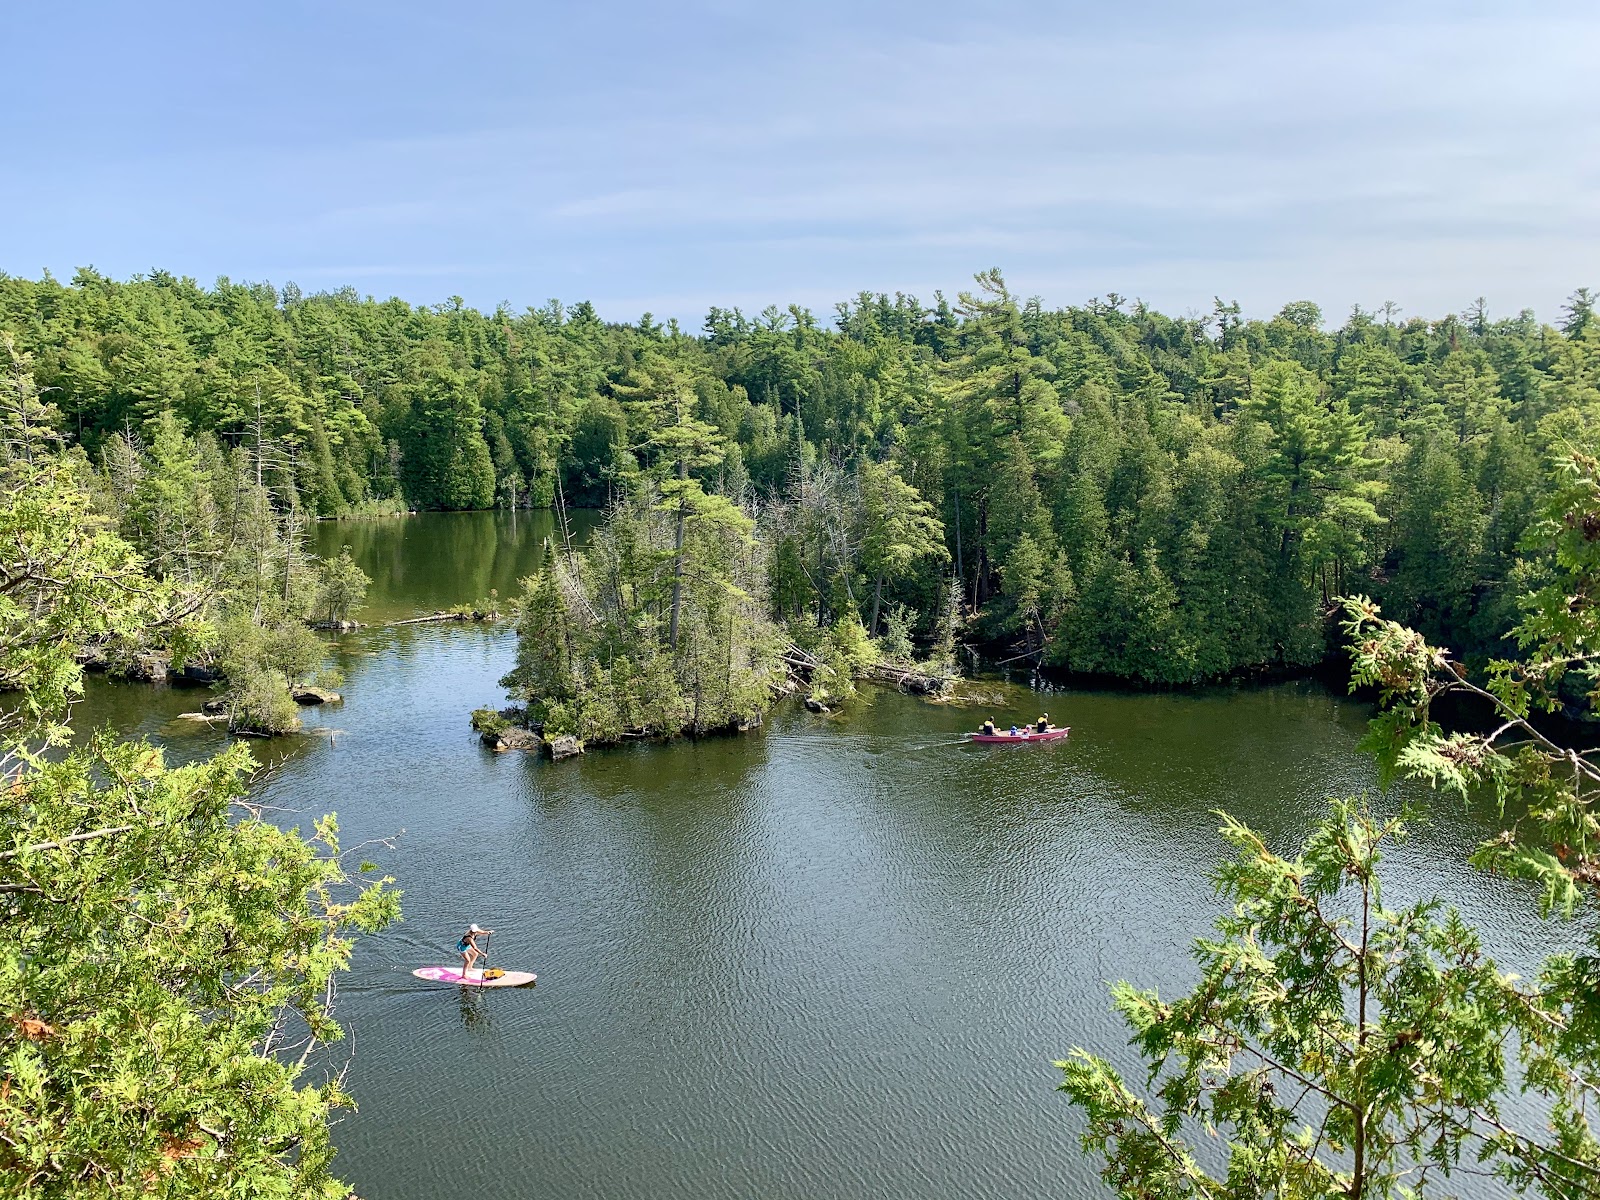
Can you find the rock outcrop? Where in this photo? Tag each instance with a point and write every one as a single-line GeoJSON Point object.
{"type": "Point", "coordinates": [511, 738]}
{"type": "Point", "coordinates": [314, 695]}
{"type": "Point", "coordinates": [564, 746]}
{"type": "Point", "coordinates": [152, 666]}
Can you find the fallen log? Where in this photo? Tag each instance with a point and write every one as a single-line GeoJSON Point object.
{"type": "Point", "coordinates": [908, 679]}
{"type": "Point", "coordinates": [799, 659]}
{"type": "Point", "coordinates": [448, 616]}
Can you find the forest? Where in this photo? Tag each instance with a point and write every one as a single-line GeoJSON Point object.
{"type": "Point", "coordinates": [1100, 489]}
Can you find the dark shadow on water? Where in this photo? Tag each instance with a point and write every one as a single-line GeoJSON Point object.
{"type": "Point", "coordinates": [432, 561]}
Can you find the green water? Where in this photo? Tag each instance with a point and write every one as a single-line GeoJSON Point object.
{"type": "Point", "coordinates": [830, 959]}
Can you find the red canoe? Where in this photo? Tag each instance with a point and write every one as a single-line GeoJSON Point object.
{"type": "Point", "coordinates": [1027, 735]}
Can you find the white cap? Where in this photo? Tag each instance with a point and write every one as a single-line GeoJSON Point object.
{"type": "Point", "coordinates": [476, 928]}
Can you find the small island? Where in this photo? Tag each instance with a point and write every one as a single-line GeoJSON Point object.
{"type": "Point", "coordinates": [667, 623]}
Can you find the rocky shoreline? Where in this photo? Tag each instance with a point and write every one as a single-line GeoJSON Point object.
{"type": "Point", "coordinates": [509, 729]}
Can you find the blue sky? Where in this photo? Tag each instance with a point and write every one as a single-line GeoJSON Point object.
{"type": "Point", "coordinates": [670, 156]}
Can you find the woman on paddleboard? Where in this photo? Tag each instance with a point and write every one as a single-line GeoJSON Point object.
{"type": "Point", "coordinates": [469, 948]}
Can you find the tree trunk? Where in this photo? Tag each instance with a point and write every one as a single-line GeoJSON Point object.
{"type": "Point", "coordinates": [1358, 1175]}
{"type": "Point", "coordinates": [981, 584]}
{"type": "Point", "coordinates": [958, 536]}
{"type": "Point", "coordinates": [877, 603]}
{"type": "Point", "coordinates": [677, 559]}
{"type": "Point", "coordinates": [822, 594]}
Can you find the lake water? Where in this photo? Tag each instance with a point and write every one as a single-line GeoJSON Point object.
{"type": "Point", "coordinates": [830, 959]}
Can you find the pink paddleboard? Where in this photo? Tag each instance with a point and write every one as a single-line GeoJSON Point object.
{"type": "Point", "coordinates": [453, 975]}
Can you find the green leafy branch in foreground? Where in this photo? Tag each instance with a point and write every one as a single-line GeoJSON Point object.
{"type": "Point", "coordinates": [1341, 1047]}
{"type": "Point", "coordinates": [167, 958]}
{"type": "Point", "coordinates": [64, 579]}
{"type": "Point", "coordinates": [166, 979]}
{"type": "Point", "coordinates": [1555, 839]}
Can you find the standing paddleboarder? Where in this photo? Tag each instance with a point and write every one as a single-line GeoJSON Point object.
{"type": "Point", "coordinates": [471, 952]}
{"type": "Point", "coordinates": [474, 972]}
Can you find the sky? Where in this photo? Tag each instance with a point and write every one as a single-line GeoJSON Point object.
{"type": "Point", "coordinates": [671, 156]}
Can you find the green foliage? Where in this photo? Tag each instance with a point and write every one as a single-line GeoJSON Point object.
{"type": "Point", "coordinates": [484, 608]}
{"type": "Point", "coordinates": [447, 462]}
{"type": "Point", "coordinates": [1053, 461]}
{"type": "Point", "coordinates": [899, 528]}
{"type": "Point", "coordinates": [1556, 839]}
{"type": "Point", "coordinates": [67, 585]}
{"type": "Point", "coordinates": [895, 644]}
{"type": "Point", "coordinates": [279, 643]}
{"type": "Point", "coordinates": [660, 628]}
{"type": "Point", "coordinates": [545, 669]}
{"type": "Point", "coordinates": [166, 957]}
{"type": "Point", "coordinates": [1397, 1039]}
{"type": "Point", "coordinates": [214, 529]}
{"type": "Point", "coordinates": [489, 721]}
{"type": "Point", "coordinates": [259, 703]}
{"type": "Point", "coordinates": [154, 972]}
{"type": "Point", "coordinates": [845, 653]}
{"type": "Point", "coordinates": [1338, 1047]}
{"type": "Point", "coordinates": [261, 661]}
{"type": "Point", "coordinates": [341, 588]}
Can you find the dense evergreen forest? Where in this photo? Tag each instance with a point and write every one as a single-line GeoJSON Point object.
{"type": "Point", "coordinates": [1100, 488]}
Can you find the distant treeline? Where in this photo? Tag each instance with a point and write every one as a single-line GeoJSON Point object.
{"type": "Point", "coordinates": [1106, 488]}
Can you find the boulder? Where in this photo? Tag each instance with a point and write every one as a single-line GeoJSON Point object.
{"type": "Point", "coordinates": [314, 695]}
{"type": "Point", "coordinates": [217, 707]}
{"type": "Point", "coordinates": [193, 673]}
{"type": "Point", "coordinates": [512, 738]}
{"type": "Point", "coordinates": [816, 706]}
{"type": "Point", "coordinates": [150, 667]}
{"type": "Point", "coordinates": [746, 724]}
{"type": "Point", "coordinates": [564, 746]}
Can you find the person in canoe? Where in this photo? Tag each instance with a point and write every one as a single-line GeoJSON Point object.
{"type": "Point", "coordinates": [468, 946]}
{"type": "Point", "coordinates": [1042, 725]}
{"type": "Point", "coordinates": [987, 728]}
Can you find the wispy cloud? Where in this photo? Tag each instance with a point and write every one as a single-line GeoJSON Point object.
{"type": "Point", "coordinates": [393, 270]}
{"type": "Point", "coordinates": [648, 160]}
